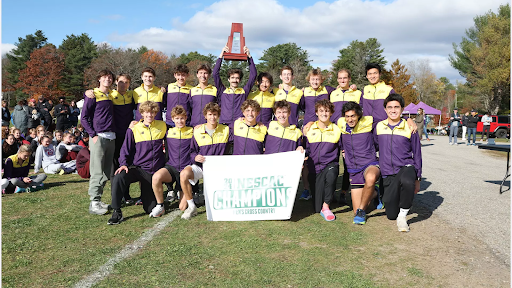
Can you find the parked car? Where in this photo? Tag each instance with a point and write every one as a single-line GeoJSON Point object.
{"type": "Point", "coordinates": [500, 127]}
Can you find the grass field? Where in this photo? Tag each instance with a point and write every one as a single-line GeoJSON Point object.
{"type": "Point", "coordinates": [50, 240]}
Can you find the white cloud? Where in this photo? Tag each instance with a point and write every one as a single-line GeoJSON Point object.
{"type": "Point", "coordinates": [7, 47]}
{"type": "Point", "coordinates": [405, 28]}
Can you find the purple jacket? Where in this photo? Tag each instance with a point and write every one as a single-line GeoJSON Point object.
{"type": "Point", "coordinates": [266, 101]}
{"type": "Point", "coordinates": [204, 144]}
{"type": "Point", "coordinates": [340, 97]}
{"type": "Point", "coordinates": [358, 143]}
{"type": "Point", "coordinates": [13, 169]}
{"type": "Point", "coordinates": [154, 94]}
{"type": "Point", "coordinates": [397, 147]}
{"type": "Point", "coordinates": [248, 140]}
{"type": "Point", "coordinates": [373, 100]}
{"type": "Point", "coordinates": [177, 95]}
{"type": "Point", "coordinates": [178, 147]}
{"type": "Point", "coordinates": [294, 97]}
{"type": "Point", "coordinates": [198, 99]}
{"type": "Point", "coordinates": [281, 139]}
{"type": "Point", "coordinates": [322, 147]}
{"type": "Point", "coordinates": [123, 110]}
{"type": "Point", "coordinates": [143, 146]}
{"type": "Point", "coordinates": [311, 96]}
{"type": "Point", "coordinates": [231, 100]}
{"type": "Point", "coordinates": [98, 113]}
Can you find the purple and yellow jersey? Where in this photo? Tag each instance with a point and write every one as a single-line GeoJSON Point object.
{"type": "Point", "coordinates": [311, 96]}
{"type": "Point", "coordinates": [358, 143]}
{"type": "Point", "coordinates": [398, 147]}
{"type": "Point", "coordinates": [198, 99]}
{"type": "Point", "coordinates": [154, 94]}
{"type": "Point", "coordinates": [248, 140]}
{"type": "Point", "coordinates": [13, 169]}
{"type": "Point", "coordinates": [282, 139]}
{"type": "Point", "coordinates": [373, 100]}
{"type": "Point", "coordinates": [143, 146]}
{"type": "Point", "coordinates": [98, 113]}
{"type": "Point", "coordinates": [294, 97]}
{"type": "Point", "coordinates": [266, 100]}
{"type": "Point", "coordinates": [178, 146]}
{"type": "Point", "coordinates": [323, 146]}
{"type": "Point", "coordinates": [123, 110]}
{"type": "Point", "coordinates": [177, 95]}
{"type": "Point", "coordinates": [204, 144]}
{"type": "Point", "coordinates": [340, 97]}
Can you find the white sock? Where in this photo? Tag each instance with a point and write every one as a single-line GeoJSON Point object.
{"type": "Point", "coordinates": [403, 212]}
{"type": "Point", "coordinates": [191, 203]}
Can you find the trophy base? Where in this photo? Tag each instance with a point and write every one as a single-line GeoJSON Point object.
{"type": "Point", "coordinates": [235, 57]}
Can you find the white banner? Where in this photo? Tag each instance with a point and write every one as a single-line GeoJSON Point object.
{"type": "Point", "coordinates": [251, 187]}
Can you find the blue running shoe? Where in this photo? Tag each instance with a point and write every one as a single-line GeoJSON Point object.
{"type": "Point", "coordinates": [360, 217]}
{"type": "Point", "coordinates": [19, 190]}
{"type": "Point", "coordinates": [305, 195]}
{"type": "Point", "coordinates": [377, 200]}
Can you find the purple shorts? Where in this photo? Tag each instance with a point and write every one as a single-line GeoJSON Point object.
{"type": "Point", "coordinates": [357, 179]}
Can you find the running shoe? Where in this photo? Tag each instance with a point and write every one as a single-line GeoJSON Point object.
{"type": "Point", "coordinates": [360, 217]}
{"type": "Point", "coordinates": [305, 195]}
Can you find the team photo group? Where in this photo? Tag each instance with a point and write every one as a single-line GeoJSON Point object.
{"type": "Point", "coordinates": [345, 130]}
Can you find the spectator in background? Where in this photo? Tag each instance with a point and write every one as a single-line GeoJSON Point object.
{"type": "Point", "coordinates": [419, 120]}
{"type": "Point", "coordinates": [486, 119]}
{"type": "Point", "coordinates": [62, 112]}
{"type": "Point", "coordinates": [66, 150]}
{"type": "Point", "coordinates": [46, 159]}
{"type": "Point", "coordinates": [464, 124]}
{"type": "Point", "coordinates": [454, 125]}
{"type": "Point", "coordinates": [6, 115]}
{"type": "Point", "coordinates": [34, 119]}
{"type": "Point", "coordinates": [84, 142]}
{"type": "Point", "coordinates": [74, 111]}
{"type": "Point", "coordinates": [82, 163]}
{"type": "Point", "coordinates": [57, 137]}
{"type": "Point", "coordinates": [20, 116]}
{"type": "Point", "coordinates": [9, 147]}
{"type": "Point", "coordinates": [16, 170]}
{"type": "Point", "coordinates": [472, 122]}
{"type": "Point", "coordinates": [40, 131]}
{"type": "Point", "coordinates": [45, 107]}
{"type": "Point", "coordinates": [18, 138]}
{"type": "Point", "coordinates": [32, 134]}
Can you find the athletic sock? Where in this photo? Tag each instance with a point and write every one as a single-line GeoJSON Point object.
{"type": "Point", "coordinates": [403, 212]}
{"type": "Point", "coordinates": [191, 203]}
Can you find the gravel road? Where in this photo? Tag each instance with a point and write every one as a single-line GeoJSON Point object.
{"type": "Point", "coordinates": [461, 185]}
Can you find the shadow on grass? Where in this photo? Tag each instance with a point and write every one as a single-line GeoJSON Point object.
{"type": "Point", "coordinates": [424, 205]}
{"type": "Point", "coordinates": [425, 145]}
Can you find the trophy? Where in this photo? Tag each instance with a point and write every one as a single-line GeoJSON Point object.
{"type": "Point", "coordinates": [236, 43]}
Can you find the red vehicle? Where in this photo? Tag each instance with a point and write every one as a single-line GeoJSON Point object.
{"type": "Point", "coordinates": [500, 126]}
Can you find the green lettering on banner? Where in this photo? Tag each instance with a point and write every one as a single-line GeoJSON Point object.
{"type": "Point", "coordinates": [252, 198]}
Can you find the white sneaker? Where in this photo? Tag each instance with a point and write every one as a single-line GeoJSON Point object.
{"type": "Point", "coordinates": [189, 213]}
{"type": "Point", "coordinates": [158, 211]}
{"type": "Point", "coordinates": [105, 205]}
{"type": "Point", "coordinates": [451, 143]}
{"type": "Point", "coordinates": [96, 208]}
{"type": "Point", "coordinates": [401, 222]}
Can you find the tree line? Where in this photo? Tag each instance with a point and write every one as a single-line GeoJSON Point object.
{"type": "Point", "coordinates": [35, 67]}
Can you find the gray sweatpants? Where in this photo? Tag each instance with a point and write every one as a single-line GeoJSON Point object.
{"type": "Point", "coordinates": [55, 168]}
{"type": "Point", "coordinates": [100, 165]}
{"type": "Point", "coordinates": [11, 183]}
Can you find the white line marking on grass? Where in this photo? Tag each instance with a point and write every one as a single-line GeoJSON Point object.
{"type": "Point", "coordinates": [128, 251]}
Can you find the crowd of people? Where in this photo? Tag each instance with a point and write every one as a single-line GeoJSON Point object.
{"type": "Point", "coordinates": [345, 129]}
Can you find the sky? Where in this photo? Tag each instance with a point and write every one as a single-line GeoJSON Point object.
{"type": "Point", "coordinates": [407, 29]}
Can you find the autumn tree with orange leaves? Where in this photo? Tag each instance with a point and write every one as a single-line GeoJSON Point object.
{"type": "Point", "coordinates": [401, 82]}
{"type": "Point", "coordinates": [160, 63]}
{"type": "Point", "coordinates": [43, 73]}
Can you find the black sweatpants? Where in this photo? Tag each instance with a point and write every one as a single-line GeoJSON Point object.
{"type": "Point", "coordinates": [121, 183]}
{"type": "Point", "coordinates": [323, 184]}
{"type": "Point", "coordinates": [399, 191]}
{"type": "Point", "coordinates": [117, 152]}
